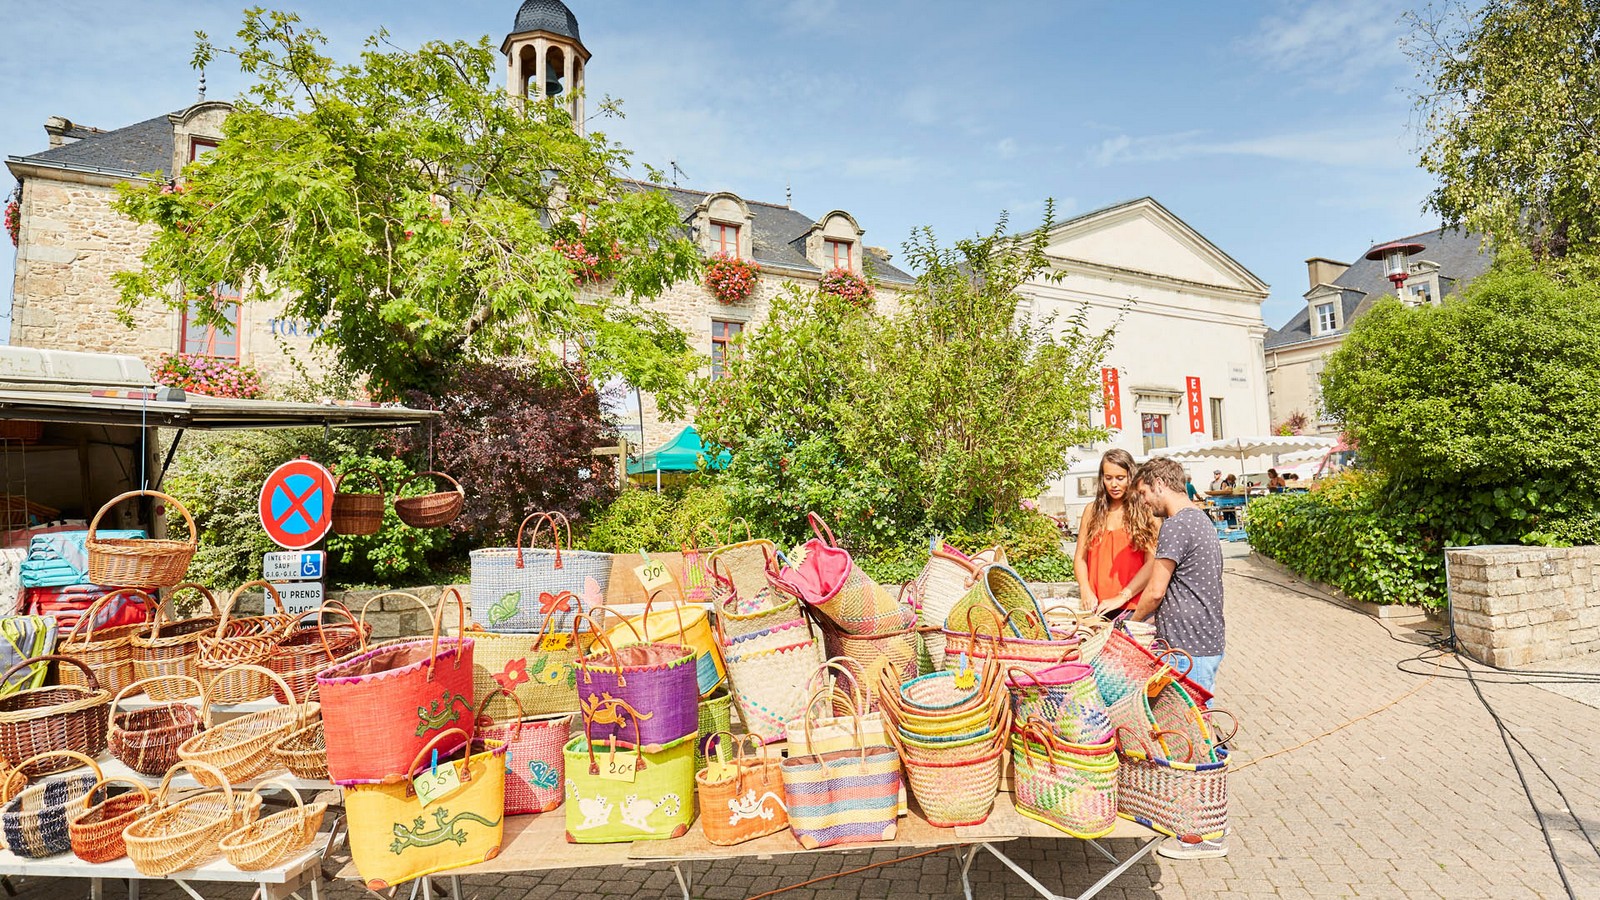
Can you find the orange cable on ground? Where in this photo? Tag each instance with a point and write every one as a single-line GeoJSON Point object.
{"type": "Point", "coordinates": [1341, 726]}
{"type": "Point", "coordinates": [821, 878]}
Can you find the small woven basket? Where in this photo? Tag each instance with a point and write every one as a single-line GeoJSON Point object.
{"type": "Point", "coordinates": [956, 788]}
{"type": "Point", "coordinates": [304, 752]}
{"type": "Point", "coordinates": [308, 650]}
{"type": "Point", "coordinates": [716, 714]}
{"type": "Point", "coordinates": [357, 514]}
{"type": "Point", "coordinates": [181, 835]}
{"type": "Point", "coordinates": [35, 820]}
{"type": "Point", "coordinates": [60, 717]}
{"type": "Point", "coordinates": [145, 562]}
{"type": "Point", "coordinates": [170, 647]}
{"type": "Point", "coordinates": [146, 740]}
{"type": "Point", "coordinates": [267, 841]}
{"type": "Point", "coordinates": [108, 651]}
{"type": "Point", "coordinates": [431, 510]}
{"type": "Point", "coordinates": [241, 748]}
{"type": "Point", "coordinates": [1074, 790]}
{"type": "Point", "coordinates": [96, 832]}
{"type": "Point", "coordinates": [231, 657]}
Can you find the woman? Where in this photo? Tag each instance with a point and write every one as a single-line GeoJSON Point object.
{"type": "Point", "coordinates": [1275, 482]}
{"type": "Point", "coordinates": [1115, 540]}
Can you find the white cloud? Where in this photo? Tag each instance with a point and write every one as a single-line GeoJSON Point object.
{"type": "Point", "coordinates": [1332, 44]}
{"type": "Point", "coordinates": [1357, 146]}
{"type": "Point", "coordinates": [810, 15]}
{"type": "Point", "coordinates": [1006, 148]}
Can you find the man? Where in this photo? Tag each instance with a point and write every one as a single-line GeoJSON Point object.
{"type": "Point", "coordinates": [1216, 480]}
{"type": "Point", "coordinates": [1188, 487]}
{"type": "Point", "coordinates": [1184, 595]}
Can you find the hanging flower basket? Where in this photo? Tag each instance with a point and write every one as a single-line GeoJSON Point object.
{"type": "Point", "coordinates": [589, 263]}
{"type": "Point", "coordinates": [731, 279]}
{"type": "Point", "coordinates": [847, 286]}
{"type": "Point", "coordinates": [14, 215]}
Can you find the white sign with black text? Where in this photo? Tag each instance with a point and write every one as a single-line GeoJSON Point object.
{"type": "Point", "coordinates": [298, 596]}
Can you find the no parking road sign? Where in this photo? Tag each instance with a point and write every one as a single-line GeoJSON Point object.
{"type": "Point", "coordinates": [297, 504]}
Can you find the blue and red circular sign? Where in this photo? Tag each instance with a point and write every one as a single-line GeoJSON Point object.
{"type": "Point", "coordinates": [297, 504]}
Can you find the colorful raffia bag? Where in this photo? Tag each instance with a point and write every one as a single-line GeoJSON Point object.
{"type": "Point", "coordinates": [843, 796]}
{"type": "Point", "coordinates": [534, 763]}
{"type": "Point", "coordinates": [741, 798]}
{"type": "Point", "coordinates": [517, 588]}
{"type": "Point", "coordinates": [1064, 697]}
{"type": "Point", "coordinates": [658, 680]}
{"type": "Point", "coordinates": [812, 733]}
{"type": "Point", "coordinates": [1167, 721]}
{"type": "Point", "coordinates": [1068, 787]}
{"type": "Point", "coordinates": [829, 581]}
{"type": "Point", "coordinates": [945, 578]}
{"type": "Point", "coordinates": [689, 626]}
{"type": "Point", "coordinates": [1188, 801]}
{"type": "Point", "coordinates": [696, 579]}
{"type": "Point", "coordinates": [715, 714]}
{"type": "Point", "coordinates": [1002, 591]}
{"type": "Point", "coordinates": [381, 707]}
{"type": "Point", "coordinates": [540, 670]}
{"type": "Point", "coordinates": [619, 791]}
{"type": "Point", "coordinates": [739, 571]}
{"type": "Point", "coordinates": [1123, 666]}
{"type": "Point", "coordinates": [396, 836]}
{"type": "Point", "coordinates": [768, 686]}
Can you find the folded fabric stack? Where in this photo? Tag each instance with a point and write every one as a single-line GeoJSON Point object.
{"type": "Point", "coordinates": [61, 558]}
{"type": "Point", "coordinates": [67, 604]}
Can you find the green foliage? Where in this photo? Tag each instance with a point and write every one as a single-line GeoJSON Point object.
{"type": "Point", "coordinates": [702, 504]}
{"type": "Point", "coordinates": [218, 476]}
{"type": "Point", "coordinates": [1511, 98]}
{"type": "Point", "coordinates": [1351, 533]}
{"type": "Point", "coordinates": [942, 414]}
{"type": "Point", "coordinates": [636, 520]}
{"type": "Point", "coordinates": [409, 205]}
{"type": "Point", "coordinates": [1485, 411]}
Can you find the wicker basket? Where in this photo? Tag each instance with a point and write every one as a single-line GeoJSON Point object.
{"type": "Point", "coordinates": [97, 832]}
{"type": "Point", "coordinates": [183, 834]}
{"type": "Point", "coordinates": [146, 740]}
{"type": "Point", "coordinates": [143, 563]}
{"type": "Point", "coordinates": [60, 717]}
{"type": "Point", "coordinates": [268, 841]}
{"type": "Point", "coordinates": [35, 820]}
{"type": "Point", "coordinates": [308, 650]}
{"type": "Point", "coordinates": [431, 510]}
{"type": "Point", "coordinates": [170, 648]}
{"type": "Point", "coordinates": [357, 514]}
{"type": "Point", "coordinates": [229, 660]}
{"type": "Point", "coordinates": [242, 748]}
{"type": "Point", "coordinates": [108, 651]}
{"type": "Point", "coordinates": [304, 752]}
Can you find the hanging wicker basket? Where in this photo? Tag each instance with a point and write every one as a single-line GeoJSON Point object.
{"type": "Point", "coordinates": [431, 510]}
{"type": "Point", "coordinates": [170, 647]}
{"type": "Point", "coordinates": [357, 514]}
{"type": "Point", "coordinates": [141, 563]}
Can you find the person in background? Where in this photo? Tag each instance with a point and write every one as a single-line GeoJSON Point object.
{"type": "Point", "coordinates": [1217, 481]}
{"type": "Point", "coordinates": [1184, 596]}
{"type": "Point", "coordinates": [1116, 539]}
{"type": "Point", "coordinates": [1231, 482]}
{"type": "Point", "coordinates": [1188, 487]}
{"type": "Point", "coordinates": [1275, 481]}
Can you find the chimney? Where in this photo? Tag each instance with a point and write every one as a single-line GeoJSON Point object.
{"type": "Point", "coordinates": [1321, 270]}
{"type": "Point", "coordinates": [880, 253]}
{"type": "Point", "coordinates": [57, 127]}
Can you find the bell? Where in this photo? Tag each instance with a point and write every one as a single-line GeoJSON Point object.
{"type": "Point", "coordinates": [552, 84]}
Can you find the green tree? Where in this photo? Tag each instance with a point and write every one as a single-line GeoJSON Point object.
{"type": "Point", "coordinates": [942, 412]}
{"type": "Point", "coordinates": [1485, 411]}
{"type": "Point", "coordinates": [417, 211]}
{"type": "Point", "coordinates": [1510, 99]}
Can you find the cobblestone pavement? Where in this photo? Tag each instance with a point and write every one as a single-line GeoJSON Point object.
{"type": "Point", "coordinates": [1419, 800]}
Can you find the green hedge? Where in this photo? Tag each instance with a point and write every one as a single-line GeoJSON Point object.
{"type": "Point", "coordinates": [1344, 534]}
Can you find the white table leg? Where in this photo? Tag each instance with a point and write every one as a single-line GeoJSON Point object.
{"type": "Point", "coordinates": [966, 867]}
{"type": "Point", "coordinates": [685, 874]}
{"type": "Point", "coordinates": [97, 889]}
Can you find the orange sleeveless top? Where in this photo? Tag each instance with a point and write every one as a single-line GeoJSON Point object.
{"type": "Point", "coordinates": [1113, 561]}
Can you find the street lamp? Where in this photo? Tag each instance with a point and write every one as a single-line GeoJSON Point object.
{"type": "Point", "coordinates": [1396, 258]}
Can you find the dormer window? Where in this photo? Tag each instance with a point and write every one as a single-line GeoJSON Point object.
{"type": "Point", "coordinates": [838, 254]}
{"type": "Point", "coordinates": [199, 147]}
{"type": "Point", "coordinates": [725, 239]}
{"type": "Point", "coordinates": [1326, 320]}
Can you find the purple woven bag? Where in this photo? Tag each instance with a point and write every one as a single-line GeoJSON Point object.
{"type": "Point", "coordinates": [658, 680]}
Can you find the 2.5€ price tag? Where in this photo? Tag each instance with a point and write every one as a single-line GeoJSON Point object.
{"type": "Point", "coordinates": [618, 767]}
{"type": "Point", "coordinates": [653, 575]}
{"type": "Point", "coordinates": [437, 782]}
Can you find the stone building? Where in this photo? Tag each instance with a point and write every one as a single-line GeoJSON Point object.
{"type": "Point", "coordinates": [1423, 268]}
{"type": "Point", "coordinates": [71, 242]}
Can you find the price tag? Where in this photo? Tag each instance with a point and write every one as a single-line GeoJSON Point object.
{"type": "Point", "coordinates": [618, 768]}
{"type": "Point", "coordinates": [652, 575]}
{"type": "Point", "coordinates": [966, 676]}
{"type": "Point", "coordinates": [437, 782]}
{"type": "Point", "coordinates": [720, 771]}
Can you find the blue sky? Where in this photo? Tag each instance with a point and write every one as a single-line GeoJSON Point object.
{"type": "Point", "coordinates": [1279, 130]}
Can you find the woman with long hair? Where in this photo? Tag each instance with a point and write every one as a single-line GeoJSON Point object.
{"type": "Point", "coordinates": [1116, 539]}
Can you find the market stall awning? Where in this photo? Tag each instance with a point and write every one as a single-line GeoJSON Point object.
{"type": "Point", "coordinates": [197, 412]}
{"type": "Point", "coordinates": [683, 453]}
{"type": "Point", "coordinates": [1241, 447]}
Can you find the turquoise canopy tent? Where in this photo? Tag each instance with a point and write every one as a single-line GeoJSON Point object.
{"type": "Point", "coordinates": [682, 454]}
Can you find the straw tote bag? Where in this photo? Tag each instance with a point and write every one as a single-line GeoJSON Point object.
{"type": "Point", "coordinates": [535, 766]}
{"type": "Point", "coordinates": [945, 578]}
{"type": "Point", "coordinates": [395, 836]}
{"type": "Point", "coordinates": [540, 670]}
{"type": "Point", "coordinates": [658, 680]}
{"type": "Point", "coordinates": [517, 588]}
{"type": "Point", "coordinates": [831, 583]}
{"type": "Point", "coordinates": [381, 707]}
{"type": "Point", "coordinates": [843, 796]}
{"type": "Point", "coordinates": [682, 624]}
{"type": "Point", "coordinates": [741, 799]}
{"type": "Point", "coordinates": [620, 791]}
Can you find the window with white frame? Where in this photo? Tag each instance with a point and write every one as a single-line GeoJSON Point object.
{"type": "Point", "coordinates": [1326, 321]}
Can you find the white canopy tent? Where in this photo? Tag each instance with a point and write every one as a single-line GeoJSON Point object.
{"type": "Point", "coordinates": [1249, 447]}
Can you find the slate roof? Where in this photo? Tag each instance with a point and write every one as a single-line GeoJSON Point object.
{"type": "Point", "coordinates": [546, 15]}
{"type": "Point", "coordinates": [776, 233]}
{"type": "Point", "coordinates": [1459, 254]}
{"type": "Point", "coordinates": [134, 150]}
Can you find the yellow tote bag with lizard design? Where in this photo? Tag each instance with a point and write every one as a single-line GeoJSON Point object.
{"type": "Point", "coordinates": [403, 831]}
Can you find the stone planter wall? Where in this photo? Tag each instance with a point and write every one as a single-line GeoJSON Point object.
{"type": "Point", "coordinates": [1514, 606]}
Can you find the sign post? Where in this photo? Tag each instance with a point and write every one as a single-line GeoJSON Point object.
{"type": "Point", "coordinates": [296, 508]}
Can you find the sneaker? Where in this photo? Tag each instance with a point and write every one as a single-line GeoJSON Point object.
{"type": "Point", "coordinates": [1174, 848]}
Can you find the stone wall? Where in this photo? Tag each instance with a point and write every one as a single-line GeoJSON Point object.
{"type": "Point", "coordinates": [1514, 606]}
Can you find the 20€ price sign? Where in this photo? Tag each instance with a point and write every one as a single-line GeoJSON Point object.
{"type": "Point", "coordinates": [653, 574]}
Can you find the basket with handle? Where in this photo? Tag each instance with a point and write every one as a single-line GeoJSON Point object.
{"type": "Point", "coordinates": [656, 804]}
{"type": "Point", "coordinates": [1123, 666]}
{"type": "Point", "coordinates": [146, 740]}
{"type": "Point", "coordinates": [269, 840]}
{"type": "Point", "coordinates": [539, 669]}
{"type": "Point", "coordinates": [515, 588]}
{"type": "Point", "coordinates": [1065, 697]}
{"type": "Point", "coordinates": [1000, 590]}
{"type": "Point", "coordinates": [1091, 629]}
{"type": "Point", "coordinates": [767, 685]}
{"type": "Point", "coordinates": [58, 717]}
{"type": "Point", "coordinates": [715, 714]}
{"type": "Point", "coordinates": [179, 834]}
{"type": "Point", "coordinates": [843, 796]}
{"type": "Point", "coordinates": [696, 582]}
{"type": "Point", "coordinates": [835, 588]}
{"type": "Point", "coordinates": [945, 578]}
{"type": "Point", "coordinates": [747, 612]}
{"type": "Point", "coordinates": [1076, 793]}
{"type": "Point", "coordinates": [230, 658]}
{"type": "Point", "coordinates": [241, 748]}
{"type": "Point", "coordinates": [304, 752]}
{"type": "Point", "coordinates": [741, 798]}
{"type": "Point", "coordinates": [144, 562]}
{"type": "Point", "coordinates": [96, 833]}
{"type": "Point", "coordinates": [1162, 709]}
{"type": "Point", "coordinates": [898, 649]}
{"type": "Point", "coordinates": [433, 509]}
{"type": "Point", "coordinates": [740, 569]}
{"type": "Point", "coordinates": [837, 731]}
{"type": "Point", "coordinates": [991, 637]}
{"type": "Point", "coordinates": [357, 514]}
{"type": "Point", "coordinates": [34, 821]}
{"type": "Point", "coordinates": [658, 680]}
{"type": "Point", "coordinates": [170, 647]}
{"type": "Point", "coordinates": [108, 651]}
{"type": "Point", "coordinates": [536, 767]}
{"type": "Point", "coordinates": [955, 786]}
{"type": "Point", "coordinates": [1188, 801]}
{"type": "Point", "coordinates": [305, 651]}
{"type": "Point", "coordinates": [689, 626]}
{"type": "Point", "coordinates": [380, 707]}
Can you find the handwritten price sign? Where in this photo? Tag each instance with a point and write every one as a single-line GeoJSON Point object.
{"type": "Point", "coordinates": [438, 782]}
{"type": "Point", "coordinates": [619, 768]}
{"type": "Point", "coordinates": [653, 575]}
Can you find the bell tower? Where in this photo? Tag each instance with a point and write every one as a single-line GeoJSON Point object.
{"type": "Point", "coordinates": [545, 57]}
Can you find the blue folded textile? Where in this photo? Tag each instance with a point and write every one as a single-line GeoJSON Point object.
{"type": "Point", "coordinates": [62, 557]}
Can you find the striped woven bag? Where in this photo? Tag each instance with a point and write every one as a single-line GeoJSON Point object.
{"type": "Point", "coordinates": [843, 796]}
